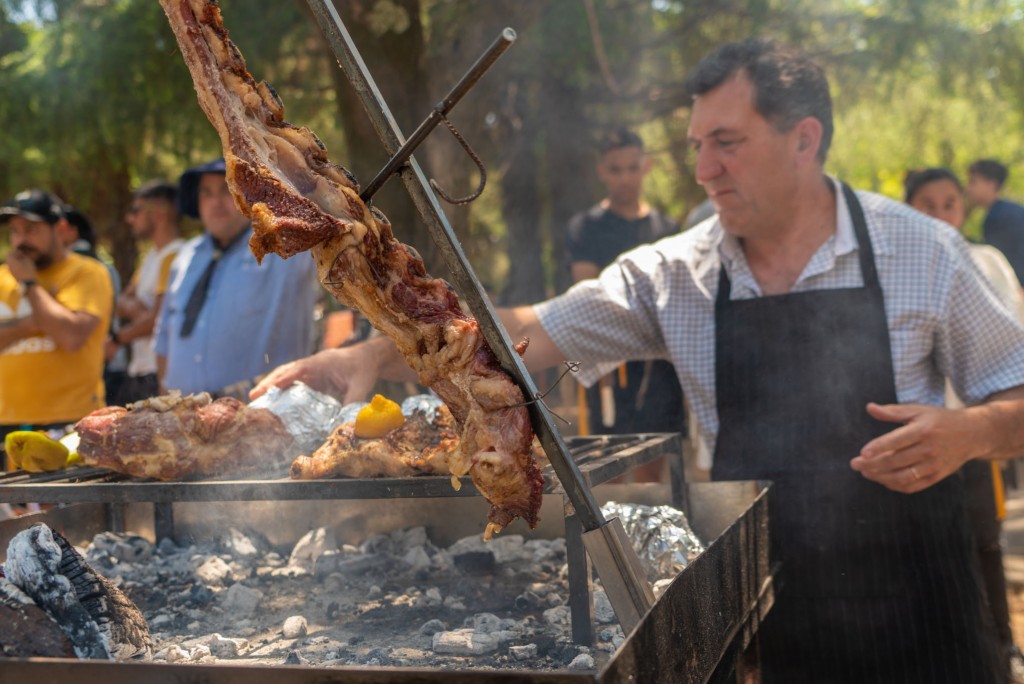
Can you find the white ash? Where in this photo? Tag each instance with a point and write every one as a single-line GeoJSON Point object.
{"type": "Point", "coordinates": [395, 600]}
{"type": "Point", "coordinates": [295, 627]}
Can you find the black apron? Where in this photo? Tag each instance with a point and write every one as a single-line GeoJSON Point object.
{"type": "Point", "coordinates": [875, 586]}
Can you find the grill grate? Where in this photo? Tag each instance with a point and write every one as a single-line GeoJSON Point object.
{"type": "Point", "coordinates": [599, 459]}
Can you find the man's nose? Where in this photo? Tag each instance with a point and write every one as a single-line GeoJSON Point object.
{"type": "Point", "coordinates": [707, 166]}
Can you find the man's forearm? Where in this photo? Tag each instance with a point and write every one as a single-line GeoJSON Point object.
{"type": "Point", "coordinates": [391, 364]}
{"type": "Point", "coordinates": [1002, 421]}
{"type": "Point", "coordinates": [15, 330]}
{"type": "Point", "coordinates": [68, 329]}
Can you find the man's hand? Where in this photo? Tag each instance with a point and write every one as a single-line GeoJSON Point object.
{"type": "Point", "coordinates": [348, 373]}
{"type": "Point", "coordinates": [21, 265]}
{"type": "Point", "coordinates": [932, 443]}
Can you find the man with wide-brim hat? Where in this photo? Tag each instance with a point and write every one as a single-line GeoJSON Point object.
{"type": "Point", "coordinates": [226, 319]}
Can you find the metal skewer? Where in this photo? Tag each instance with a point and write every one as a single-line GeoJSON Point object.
{"type": "Point", "coordinates": [606, 541]}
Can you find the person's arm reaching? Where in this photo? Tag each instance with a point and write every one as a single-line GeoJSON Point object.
{"type": "Point", "coordinates": [349, 373]}
{"type": "Point", "coordinates": [933, 442]}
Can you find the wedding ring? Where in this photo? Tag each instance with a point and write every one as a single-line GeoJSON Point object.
{"type": "Point", "coordinates": [913, 471]}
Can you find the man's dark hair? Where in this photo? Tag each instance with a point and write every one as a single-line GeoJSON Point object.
{"type": "Point", "coordinates": [82, 224]}
{"type": "Point", "coordinates": [918, 178]}
{"type": "Point", "coordinates": [788, 85]}
{"type": "Point", "coordinates": [990, 169]}
{"type": "Point", "coordinates": [157, 189]}
{"type": "Point", "coordinates": [619, 138]}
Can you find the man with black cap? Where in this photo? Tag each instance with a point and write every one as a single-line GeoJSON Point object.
{"type": "Point", "coordinates": [55, 308]}
{"type": "Point", "coordinates": [227, 320]}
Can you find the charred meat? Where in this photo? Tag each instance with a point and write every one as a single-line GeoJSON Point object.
{"type": "Point", "coordinates": [171, 438]}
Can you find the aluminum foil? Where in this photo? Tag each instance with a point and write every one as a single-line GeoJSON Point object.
{"type": "Point", "coordinates": [427, 404]}
{"type": "Point", "coordinates": [307, 414]}
{"type": "Point", "coordinates": [661, 536]}
{"type": "Point", "coordinates": [348, 413]}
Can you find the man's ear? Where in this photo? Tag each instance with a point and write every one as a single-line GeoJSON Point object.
{"type": "Point", "coordinates": [808, 133]}
{"type": "Point", "coordinates": [66, 232]}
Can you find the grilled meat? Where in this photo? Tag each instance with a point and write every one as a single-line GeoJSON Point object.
{"type": "Point", "coordinates": [170, 438]}
{"type": "Point", "coordinates": [419, 447]}
{"type": "Point", "coordinates": [298, 200]}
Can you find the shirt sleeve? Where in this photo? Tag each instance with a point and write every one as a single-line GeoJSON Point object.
{"type": "Point", "coordinates": [610, 319]}
{"type": "Point", "coordinates": [89, 290]}
{"type": "Point", "coordinates": [979, 342]}
{"type": "Point", "coordinates": [579, 247]}
{"type": "Point", "coordinates": [160, 328]}
{"type": "Point", "coordinates": [164, 275]}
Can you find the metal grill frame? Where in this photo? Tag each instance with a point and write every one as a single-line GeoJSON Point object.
{"type": "Point", "coordinates": [599, 459]}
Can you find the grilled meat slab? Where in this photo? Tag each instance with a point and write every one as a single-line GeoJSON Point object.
{"type": "Point", "coordinates": [298, 200]}
{"type": "Point", "coordinates": [171, 438]}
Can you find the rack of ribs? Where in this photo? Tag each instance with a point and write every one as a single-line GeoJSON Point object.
{"type": "Point", "coordinates": [298, 200]}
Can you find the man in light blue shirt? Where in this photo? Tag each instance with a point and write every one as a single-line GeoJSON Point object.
{"type": "Point", "coordinates": [226, 320]}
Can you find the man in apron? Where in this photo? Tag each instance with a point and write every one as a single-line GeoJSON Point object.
{"type": "Point", "coordinates": [812, 329]}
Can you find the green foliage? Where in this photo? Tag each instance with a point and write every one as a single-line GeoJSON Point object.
{"type": "Point", "coordinates": [97, 98]}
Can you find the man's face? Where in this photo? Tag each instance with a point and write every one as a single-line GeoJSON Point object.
{"type": "Point", "coordinates": [747, 167]}
{"type": "Point", "coordinates": [981, 191]}
{"type": "Point", "coordinates": [940, 199]}
{"type": "Point", "coordinates": [217, 208]}
{"type": "Point", "coordinates": [37, 240]}
{"type": "Point", "coordinates": [141, 217]}
{"type": "Point", "coordinates": [622, 171]}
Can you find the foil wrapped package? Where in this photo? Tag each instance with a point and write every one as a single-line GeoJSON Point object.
{"type": "Point", "coordinates": [307, 414]}
{"type": "Point", "coordinates": [661, 536]}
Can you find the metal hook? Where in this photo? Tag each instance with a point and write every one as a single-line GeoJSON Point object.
{"type": "Point", "coordinates": [570, 367]}
{"type": "Point", "coordinates": [476, 160]}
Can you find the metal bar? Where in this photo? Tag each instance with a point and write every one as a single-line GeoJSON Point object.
{"type": "Point", "coordinates": [163, 521]}
{"type": "Point", "coordinates": [115, 517]}
{"type": "Point", "coordinates": [581, 605]}
{"type": "Point", "coordinates": [502, 43]}
{"type": "Point", "coordinates": [627, 587]}
{"type": "Point", "coordinates": [455, 259]}
{"type": "Point", "coordinates": [598, 464]}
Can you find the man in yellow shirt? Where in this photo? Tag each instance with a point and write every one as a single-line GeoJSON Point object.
{"type": "Point", "coordinates": [55, 309]}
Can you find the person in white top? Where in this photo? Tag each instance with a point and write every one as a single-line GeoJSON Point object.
{"type": "Point", "coordinates": [939, 193]}
{"type": "Point", "coordinates": [153, 218]}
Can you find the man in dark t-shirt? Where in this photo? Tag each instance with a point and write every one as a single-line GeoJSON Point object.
{"type": "Point", "coordinates": [641, 396]}
{"type": "Point", "coordinates": [1003, 227]}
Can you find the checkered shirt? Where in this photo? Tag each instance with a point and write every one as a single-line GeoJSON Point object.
{"type": "Point", "coordinates": [658, 302]}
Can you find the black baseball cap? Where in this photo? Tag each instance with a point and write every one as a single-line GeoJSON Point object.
{"type": "Point", "coordinates": [188, 186]}
{"type": "Point", "coordinates": [35, 205]}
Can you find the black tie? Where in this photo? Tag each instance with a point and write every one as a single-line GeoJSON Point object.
{"type": "Point", "coordinates": [198, 296]}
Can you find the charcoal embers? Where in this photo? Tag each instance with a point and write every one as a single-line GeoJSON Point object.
{"type": "Point", "coordinates": [98, 619]}
{"type": "Point", "coordinates": [395, 600]}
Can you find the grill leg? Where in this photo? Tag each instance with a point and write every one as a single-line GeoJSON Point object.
{"type": "Point", "coordinates": [115, 516]}
{"type": "Point", "coordinates": [163, 521]}
{"type": "Point", "coordinates": [580, 603]}
{"type": "Point", "coordinates": [677, 480]}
